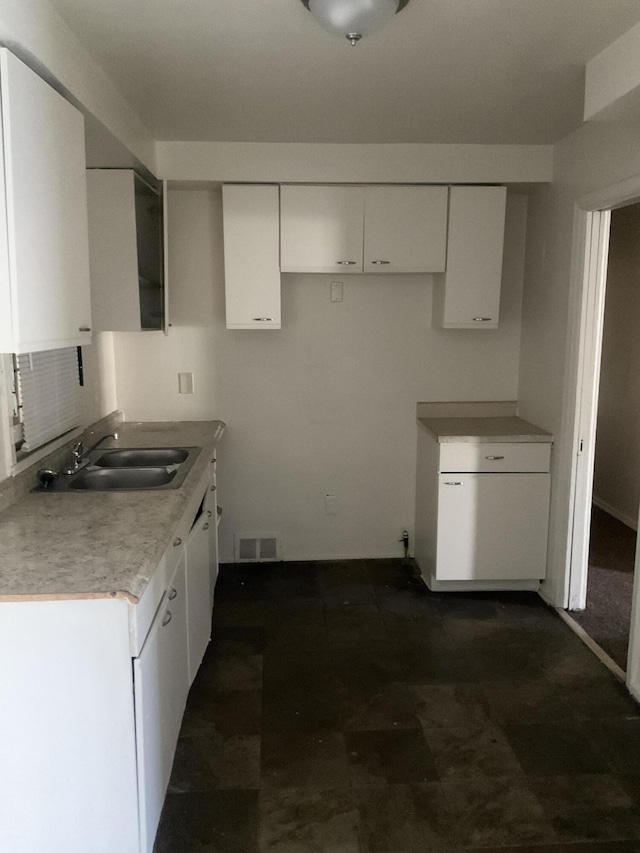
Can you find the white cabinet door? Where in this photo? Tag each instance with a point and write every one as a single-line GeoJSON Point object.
{"type": "Point", "coordinates": [211, 511]}
{"type": "Point", "coordinates": [321, 229]}
{"type": "Point", "coordinates": [470, 295]}
{"type": "Point", "coordinates": [46, 292]}
{"type": "Point", "coordinates": [251, 217]}
{"type": "Point", "coordinates": [198, 593]}
{"type": "Point", "coordinates": [405, 229]}
{"type": "Point", "coordinates": [160, 687]}
{"type": "Point", "coordinates": [492, 526]}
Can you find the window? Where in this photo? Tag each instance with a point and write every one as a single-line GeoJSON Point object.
{"type": "Point", "coordinates": [47, 396]}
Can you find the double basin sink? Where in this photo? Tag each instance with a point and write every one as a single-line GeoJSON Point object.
{"type": "Point", "coordinates": [124, 469]}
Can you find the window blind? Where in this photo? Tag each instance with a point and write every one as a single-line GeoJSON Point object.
{"type": "Point", "coordinates": [50, 394]}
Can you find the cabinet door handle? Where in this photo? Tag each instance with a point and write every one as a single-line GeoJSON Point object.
{"type": "Point", "coordinates": [346, 263]}
{"type": "Point", "coordinates": [212, 489]}
{"type": "Point", "coordinates": [209, 513]}
{"type": "Point", "coordinates": [205, 526]}
{"type": "Point", "coordinates": [380, 263]}
{"type": "Point", "coordinates": [84, 328]}
{"type": "Point", "coordinates": [263, 319]}
{"type": "Point", "coordinates": [167, 618]}
{"type": "Point", "coordinates": [482, 319]}
{"type": "Point", "coordinates": [172, 593]}
{"type": "Point", "coordinates": [493, 458]}
{"type": "Point", "coordinates": [177, 541]}
{"type": "Point", "coordinates": [455, 483]}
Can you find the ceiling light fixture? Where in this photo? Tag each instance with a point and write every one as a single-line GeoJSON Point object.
{"type": "Point", "coordinates": [354, 18]}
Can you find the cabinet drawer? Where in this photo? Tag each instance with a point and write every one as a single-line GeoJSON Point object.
{"type": "Point", "coordinates": [499, 457]}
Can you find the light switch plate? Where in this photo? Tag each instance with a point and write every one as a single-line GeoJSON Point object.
{"type": "Point", "coordinates": [185, 383]}
{"type": "Point", "coordinates": [336, 291]}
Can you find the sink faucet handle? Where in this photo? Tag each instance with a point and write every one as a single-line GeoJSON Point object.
{"type": "Point", "coordinates": [77, 450]}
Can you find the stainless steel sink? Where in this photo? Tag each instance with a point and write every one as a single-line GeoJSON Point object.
{"type": "Point", "coordinates": [139, 457]}
{"type": "Point", "coordinates": [127, 469]}
{"type": "Point", "coordinates": [100, 479]}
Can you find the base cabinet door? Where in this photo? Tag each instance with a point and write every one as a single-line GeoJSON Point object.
{"type": "Point", "coordinates": [161, 687]}
{"type": "Point", "coordinates": [492, 526]}
{"type": "Point", "coordinates": [198, 593]}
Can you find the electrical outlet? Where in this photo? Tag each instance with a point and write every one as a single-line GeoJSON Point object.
{"type": "Point", "coordinates": [336, 291]}
{"type": "Point", "coordinates": [330, 505]}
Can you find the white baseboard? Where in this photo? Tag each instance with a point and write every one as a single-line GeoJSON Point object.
{"type": "Point", "coordinates": [611, 510]}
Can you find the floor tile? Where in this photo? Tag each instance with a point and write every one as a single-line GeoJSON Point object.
{"type": "Point", "coordinates": [449, 705]}
{"type": "Point", "coordinates": [389, 757]}
{"type": "Point", "coordinates": [463, 753]}
{"type": "Point", "coordinates": [371, 708]}
{"type": "Point", "coordinates": [299, 710]}
{"type": "Point", "coordinates": [373, 664]}
{"type": "Point", "coordinates": [553, 750]}
{"type": "Point", "coordinates": [618, 742]}
{"type": "Point", "coordinates": [496, 811]}
{"type": "Point", "coordinates": [213, 822]}
{"type": "Point", "coordinates": [407, 818]}
{"type": "Point", "coordinates": [232, 672]}
{"type": "Point", "coordinates": [588, 807]}
{"type": "Point", "coordinates": [236, 613]}
{"type": "Point", "coordinates": [232, 712]}
{"type": "Point", "coordinates": [316, 760]}
{"type": "Point", "coordinates": [303, 821]}
{"type": "Point", "coordinates": [240, 641]}
{"type": "Point", "coordinates": [206, 763]}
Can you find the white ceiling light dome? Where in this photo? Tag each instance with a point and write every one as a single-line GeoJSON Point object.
{"type": "Point", "coordinates": [354, 18]}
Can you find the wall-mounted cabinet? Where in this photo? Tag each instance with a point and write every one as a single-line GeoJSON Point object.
{"type": "Point", "coordinates": [44, 254]}
{"type": "Point", "coordinates": [468, 295]}
{"type": "Point", "coordinates": [128, 277]}
{"type": "Point", "coordinates": [251, 218]}
{"type": "Point", "coordinates": [375, 229]}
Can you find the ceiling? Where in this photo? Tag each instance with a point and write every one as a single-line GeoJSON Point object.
{"type": "Point", "coordinates": [454, 71]}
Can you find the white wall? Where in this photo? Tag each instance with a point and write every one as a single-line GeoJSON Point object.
{"type": "Point", "coordinates": [37, 34]}
{"type": "Point", "coordinates": [617, 467]}
{"type": "Point", "coordinates": [324, 406]}
{"type": "Point", "coordinates": [281, 162]}
{"type": "Point", "coordinates": [594, 157]}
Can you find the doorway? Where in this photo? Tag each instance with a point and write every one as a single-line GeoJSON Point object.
{"type": "Point", "coordinates": [603, 587]}
{"type": "Point", "coordinates": [616, 479]}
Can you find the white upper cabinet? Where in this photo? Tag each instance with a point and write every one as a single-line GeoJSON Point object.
{"type": "Point", "coordinates": [405, 229]}
{"type": "Point", "coordinates": [126, 252]}
{"type": "Point", "coordinates": [44, 253]}
{"type": "Point", "coordinates": [251, 217]}
{"type": "Point", "coordinates": [321, 229]}
{"type": "Point", "coordinates": [469, 295]}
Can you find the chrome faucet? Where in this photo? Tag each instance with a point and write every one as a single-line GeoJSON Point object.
{"type": "Point", "coordinates": [80, 456]}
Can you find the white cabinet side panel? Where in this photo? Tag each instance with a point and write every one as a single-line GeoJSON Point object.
{"type": "Point", "coordinates": [492, 526]}
{"type": "Point", "coordinates": [405, 229]}
{"type": "Point", "coordinates": [67, 736]}
{"type": "Point", "coordinates": [113, 251]}
{"type": "Point", "coordinates": [251, 217]}
{"type": "Point", "coordinates": [426, 529]}
{"type": "Point", "coordinates": [46, 209]}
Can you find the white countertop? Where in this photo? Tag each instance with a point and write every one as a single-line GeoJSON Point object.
{"type": "Point", "coordinates": [99, 544]}
{"type": "Point", "coordinates": [484, 430]}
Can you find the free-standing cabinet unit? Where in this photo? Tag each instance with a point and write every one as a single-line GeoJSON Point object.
{"type": "Point", "coordinates": [251, 220]}
{"type": "Point", "coordinates": [126, 252]}
{"type": "Point", "coordinates": [482, 513]}
{"type": "Point", "coordinates": [468, 294]}
{"type": "Point", "coordinates": [44, 253]}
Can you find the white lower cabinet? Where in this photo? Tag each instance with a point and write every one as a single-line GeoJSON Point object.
{"type": "Point", "coordinates": [161, 686]}
{"type": "Point", "coordinates": [96, 690]}
{"type": "Point", "coordinates": [481, 513]}
{"type": "Point", "coordinates": [196, 553]}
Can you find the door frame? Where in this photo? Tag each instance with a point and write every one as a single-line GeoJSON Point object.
{"type": "Point", "coordinates": [592, 219]}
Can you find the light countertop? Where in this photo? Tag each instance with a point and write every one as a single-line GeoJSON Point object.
{"type": "Point", "coordinates": [99, 544]}
{"type": "Point", "coordinates": [484, 430]}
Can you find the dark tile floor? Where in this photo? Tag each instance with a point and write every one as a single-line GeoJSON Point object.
{"type": "Point", "coordinates": [342, 708]}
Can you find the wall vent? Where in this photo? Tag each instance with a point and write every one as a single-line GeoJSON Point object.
{"type": "Point", "coordinates": [257, 547]}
